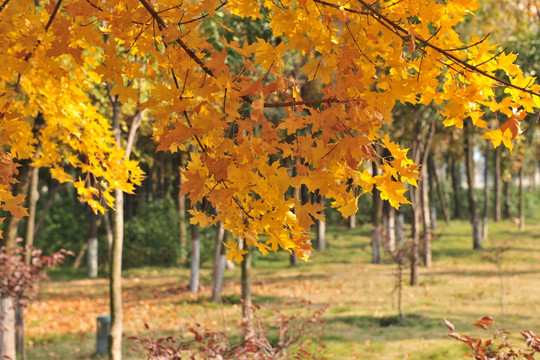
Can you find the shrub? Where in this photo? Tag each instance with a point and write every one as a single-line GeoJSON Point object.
{"type": "Point", "coordinates": [297, 337]}
{"type": "Point", "coordinates": [151, 236]}
{"type": "Point", "coordinates": [497, 346]}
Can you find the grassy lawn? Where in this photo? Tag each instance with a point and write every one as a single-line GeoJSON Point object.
{"type": "Point", "coordinates": [359, 324]}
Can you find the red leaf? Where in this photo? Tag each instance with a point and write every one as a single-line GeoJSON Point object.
{"type": "Point", "coordinates": [449, 325]}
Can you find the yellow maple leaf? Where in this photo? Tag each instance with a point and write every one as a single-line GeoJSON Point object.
{"type": "Point", "coordinates": [233, 253]}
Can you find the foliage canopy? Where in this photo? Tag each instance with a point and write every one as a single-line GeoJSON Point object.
{"type": "Point", "coordinates": [335, 70]}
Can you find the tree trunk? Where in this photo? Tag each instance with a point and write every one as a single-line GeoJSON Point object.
{"type": "Point", "coordinates": [431, 195]}
{"type": "Point", "coordinates": [53, 190]}
{"type": "Point", "coordinates": [473, 206]}
{"type": "Point", "coordinates": [246, 276]}
{"type": "Point", "coordinates": [182, 228]}
{"type": "Point", "coordinates": [521, 201]}
{"type": "Point", "coordinates": [376, 208]}
{"type": "Point", "coordinates": [219, 263]}
{"type": "Point", "coordinates": [7, 335]}
{"type": "Point", "coordinates": [415, 235]}
{"type": "Point", "coordinates": [293, 260]}
{"type": "Point", "coordinates": [195, 258]}
{"type": "Point", "coordinates": [115, 275]}
{"type": "Point", "coordinates": [442, 200]}
{"type": "Point", "coordinates": [497, 185]}
{"type": "Point", "coordinates": [426, 217]}
{"type": "Point", "coordinates": [456, 185]}
{"type": "Point", "coordinates": [80, 255]}
{"type": "Point", "coordinates": [92, 259]}
{"type": "Point", "coordinates": [110, 236]}
{"type": "Point", "coordinates": [506, 205]}
{"type": "Point", "coordinates": [486, 191]}
{"type": "Point", "coordinates": [32, 199]}
{"type": "Point", "coordinates": [389, 224]}
{"type": "Point", "coordinates": [8, 305]}
{"type": "Point", "coordinates": [351, 222]}
{"type": "Point", "coordinates": [321, 226]}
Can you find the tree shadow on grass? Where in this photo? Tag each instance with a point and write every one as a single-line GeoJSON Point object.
{"type": "Point", "coordinates": [384, 328]}
{"type": "Point", "coordinates": [479, 273]}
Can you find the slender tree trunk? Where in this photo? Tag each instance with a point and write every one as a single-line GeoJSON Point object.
{"type": "Point", "coordinates": [182, 229]}
{"type": "Point", "coordinates": [506, 205]}
{"type": "Point", "coordinates": [195, 258]}
{"type": "Point", "coordinates": [473, 206]}
{"type": "Point", "coordinates": [431, 194]}
{"type": "Point", "coordinates": [389, 224]}
{"type": "Point", "coordinates": [399, 286]}
{"type": "Point", "coordinates": [8, 305]}
{"type": "Point", "coordinates": [415, 235]}
{"type": "Point", "coordinates": [426, 218]}
{"type": "Point", "coordinates": [293, 260]}
{"type": "Point", "coordinates": [456, 185]}
{"type": "Point", "coordinates": [521, 201]}
{"type": "Point", "coordinates": [80, 255]}
{"type": "Point", "coordinates": [32, 199]}
{"type": "Point", "coordinates": [110, 236]}
{"type": "Point", "coordinates": [321, 226]}
{"type": "Point", "coordinates": [219, 263]}
{"type": "Point", "coordinates": [115, 274]}
{"type": "Point", "coordinates": [247, 301]}
{"type": "Point", "coordinates": [92, 259]}
{"type": "Point", "coordinates": [53, 190]}
{"type": "Point", "coordinates": [351, 222]}
{"type": "Point", "coordinates": [486, 191]}
{"type": "Point", "coordinates": [442, 200]}
{"type": "Point", "coordinates": [376, 209]}
{"type": "Point", "coordinates": [497, 185]}
{"type": "Point", "coordinates": [7, 336]}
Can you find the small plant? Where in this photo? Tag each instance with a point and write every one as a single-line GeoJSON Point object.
{"type": "Point", "coordinates": [19, 282]}
{"type": "Point", "coordinates": [19, 279]}
{"type": "Point", "coordinates": [497, 346]}
{"type": "Point", "coordinates": [496, 256]}
{"type": "Point", "coordinates": [297, 337]}
{"type": "Point", "coordinates": [399, 255]}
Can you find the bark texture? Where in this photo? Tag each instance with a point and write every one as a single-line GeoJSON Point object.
{"type": "Point", "coordinates": [115, 274]}
{"type": "Point", "coordinates": [92, 259]}
{"type": "Point", "coordinates": [376, 229]}
{"type": "Point", "coordinates": [456, 186]}
{"type": "Point", "coordinates": [182, 228]}
{"type": "Point", "coordinates": [195, 258]}
{"type": "Point", "coordinates": [485, 213]}
{"type": "Point", "coordinates": [473, 205]}
{"type": "Point", "coordinates": [497, 185]}
{"type": "Point", "coordinates": [219, 263]}
{"type": "Point", "coordinates": [321, 227]}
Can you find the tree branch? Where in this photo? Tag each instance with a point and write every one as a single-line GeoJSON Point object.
{"type": "Point", "coordinates": [3, 5]}
{"type": "Point", "coordinates": [137, 119]}
{"type": "Point", "coordinates": [399, 30]}
{"type": "Point", "coordinates": [53, 15]}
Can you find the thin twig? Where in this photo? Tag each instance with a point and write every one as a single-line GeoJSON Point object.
{"type": "Point", "coordinates": [53, 15]}
{"type": "Point", "coordinates": [382, 19]}
{"type": "Point", "coordinates": [3, 5]}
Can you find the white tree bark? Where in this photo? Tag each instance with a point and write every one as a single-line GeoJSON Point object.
{"type": "Point", "coordinates": [7, 334]}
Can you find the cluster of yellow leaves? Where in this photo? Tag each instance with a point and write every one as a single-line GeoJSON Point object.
{"type": "Point", "coordinates": [49, 115]}
{"type": "Point", "coordinates": [362, 58]}
{"type": "Point", "coordinates": [9, 202]}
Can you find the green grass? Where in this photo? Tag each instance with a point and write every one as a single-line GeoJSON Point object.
{"type": "Point", "coordinates": [361, 321]}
